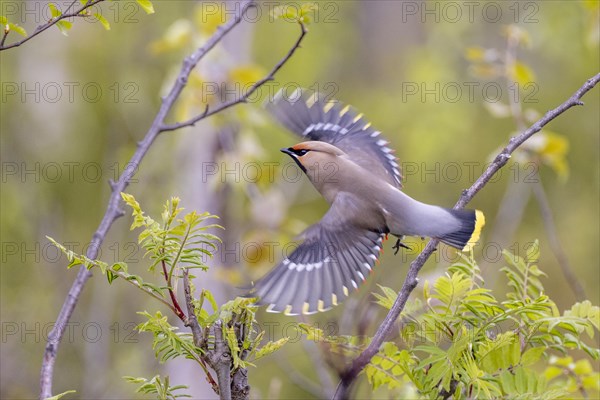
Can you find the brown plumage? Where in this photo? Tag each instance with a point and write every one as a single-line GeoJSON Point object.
{"type": "Point", "coordinates": [350, 164]}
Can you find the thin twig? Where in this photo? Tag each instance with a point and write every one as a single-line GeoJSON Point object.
{"type": "Point", "coordinates": [244, 97]}
{"type": "Point", "coordinates": [137, 285]}
{"type": "Point", "coordinates": [52, 22]}
{"type": "Point", "coordinates": [411, 281]}
{"type": "Point", "coordinates": [113, 210]}
{"type": "Point", "coordinates": [177, 308]}
{"type": "Point", "coordinates": [4, 35]}
{"type": "Point", "coordinates": [559, 253]}
{"type": "Point", "coordinates": [192, 323]}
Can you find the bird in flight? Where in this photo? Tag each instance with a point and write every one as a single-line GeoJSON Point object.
{"type": "Point", "coordinates": [350, 164]}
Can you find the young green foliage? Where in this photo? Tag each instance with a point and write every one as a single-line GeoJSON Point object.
{"type": "Point", "coordinates": [175, 243]}
{"type": "Point", "coordinates": [167, 342]}
{"type": "Point", "coordinates": [10, 26]}
{"type": "Point", "coordinates": [466, 343]}
{"type": "Point", "coordinates": [155, 386]}
{"type": "Point", "coordinates": [293, 13]}
{"type": "Point", "coordinates": [61, 395]}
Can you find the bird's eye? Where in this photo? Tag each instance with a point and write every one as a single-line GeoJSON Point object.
{"type": "Point", "coordinates": [301, 152]}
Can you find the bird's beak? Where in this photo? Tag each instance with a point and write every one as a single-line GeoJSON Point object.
{"type": "Point", "coordinates": [288, 151]}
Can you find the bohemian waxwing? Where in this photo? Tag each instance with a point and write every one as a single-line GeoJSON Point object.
{"type": "Point", "coordinates": [350, 164]}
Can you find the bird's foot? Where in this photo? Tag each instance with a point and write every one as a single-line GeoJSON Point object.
{"type": "Point", "coordinates": [399, 244]}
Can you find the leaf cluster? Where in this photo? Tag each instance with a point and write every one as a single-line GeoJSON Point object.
{"type": "Point", "coordinates": [174, 244]}
{"type": "Point", "coordinates": [461, 341]}
{"type": "Point", "coordinates": [158, 387]}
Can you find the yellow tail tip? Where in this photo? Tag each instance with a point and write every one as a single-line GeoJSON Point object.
{"type": "Point", "coordinates": [479, 223]}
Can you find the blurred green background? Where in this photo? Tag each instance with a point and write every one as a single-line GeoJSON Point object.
{"type": "Point", "coordinates": [446, 82]}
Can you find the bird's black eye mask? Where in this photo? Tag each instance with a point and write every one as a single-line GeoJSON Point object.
{"type": "Point", "coordinates": [299, 152]}
{"type": "Point", "coordinates": [295, 153]}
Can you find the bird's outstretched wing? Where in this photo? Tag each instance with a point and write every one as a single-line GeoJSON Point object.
{"type": "Point", "coordinates": [312, 117]}
{"type": "Point", "coordinates": [335, 257]}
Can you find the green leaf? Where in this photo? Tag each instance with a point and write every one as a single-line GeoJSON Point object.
{"type": "Point", "coordinates": [521, 73]}
{"type": "Point", "coordinates": [120, 266]}
{"type": "Point", "coordinates": [102, 20]}
{"type": "Point", "coordinates": [270, 347]}
{"type": "Point", "coordinates": [388, 299]}
{"type": "Point", "coordinates": [111, 276]}
{"type": "Point", "coordinates": [285, 12]}
{"type": "Point", "coordinates": [61, 395]}
{"type": "Point", "coordinates": [146, 5]}
{"type": "Point", "coordinates": [312, 333]}
{"type": "Point", "coordinates": [64, 27]}
{"type": "Point", "coordinates": [232, 342]}
{"type": "Point", "coordinates": [209, 296]}
{"type": "Point", "coordinates": [54, 11]}
{"type": "Point", "coordinates": [3, 20]}
{"type": "Point", "coordinates": [532, 356]}
{"type": "Point", "coordinates": [158, 387]}
{"type": "Point", "coordinates": [583, 367]}
{"type": "Point", "coordinates": [17, 28]}
{"type": "Point", "coordinates": [291, 12]}
{"type": "Point", "coordinates": [533, 252]}
{"type": "Point", "coordinates": [586, 310]}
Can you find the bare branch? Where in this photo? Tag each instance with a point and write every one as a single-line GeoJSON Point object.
{"type": "Point", "coordinates": [411, 281]}
{"type": "Point", "coordinates": [219, 358]}
{"type": "Point", "coordinates": [4, 35]}
{"type": "Point", "coordinates": [192, 321]}
{"type": "Point", "coordinates": [52, 22]}
{"type": "Point", "coordinates": [244, 97]}
{"type": "Point", "coordinates": [113, 210]}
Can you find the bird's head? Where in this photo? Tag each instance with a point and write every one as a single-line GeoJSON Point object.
{"type": "Point", "coordinates": [318, 160]}
{"type": "Point", "coordinates": [309, 154]}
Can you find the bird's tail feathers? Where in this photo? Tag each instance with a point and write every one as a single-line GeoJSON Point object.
{"type": "Point", "coordinates": [467, 235]}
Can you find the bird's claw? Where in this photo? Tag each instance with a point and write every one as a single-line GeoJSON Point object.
{"type": "Point", "coordinates": [398, 245]}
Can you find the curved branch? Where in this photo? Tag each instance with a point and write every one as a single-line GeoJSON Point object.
{"type": "Point", "coordinates": [113, 210]}
{"type": "Point", "coordinates": [411, 281]}
{"type": "Point", "coordinates": [49, 24]}
{"type": "Point", "coordinates": [244, 97]}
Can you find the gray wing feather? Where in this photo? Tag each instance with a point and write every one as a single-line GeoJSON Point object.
{"type": "Point", "coordinates": [334, 258]}
{"type": "Point", "coordinates": [312, 117]}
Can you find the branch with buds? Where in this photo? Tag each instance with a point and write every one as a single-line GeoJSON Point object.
{"type": "Point", "coordinates": [113, 210]}
{"type": "Point", "coordinates": [411, 281]}
{"type": "Point", "coordinates": [79, 12]}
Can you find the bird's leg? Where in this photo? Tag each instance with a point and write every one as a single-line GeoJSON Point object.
{"type": "Point", "coordinates": [399, 244]}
